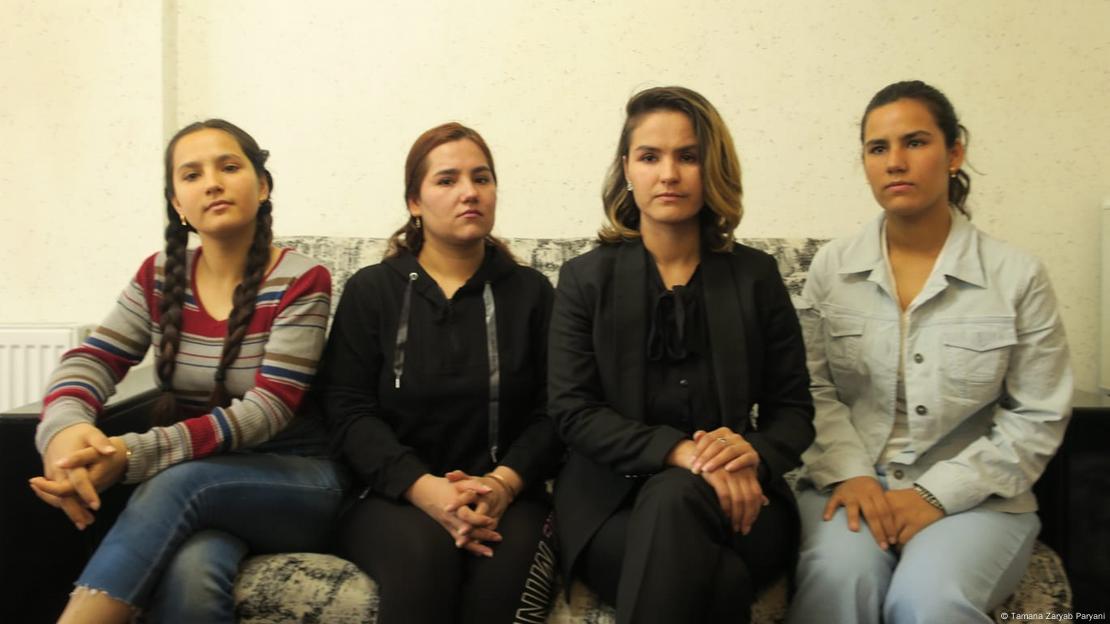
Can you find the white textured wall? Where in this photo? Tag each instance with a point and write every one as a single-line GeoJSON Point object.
{"type": "Point", "coordinates": [338, 92]}
{"type": "Point", "coordinates": [80, 144]}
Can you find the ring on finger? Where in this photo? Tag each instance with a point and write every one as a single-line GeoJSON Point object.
{"type": "Point", "coordinates": [722, 440]}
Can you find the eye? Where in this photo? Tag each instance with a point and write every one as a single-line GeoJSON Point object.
{"type": "Point", "coordinates": [189, 176]}
{"type": "Point", "coordinates": [445, 181]}
{"type": "Point", "coordinates": [915, 143]}
{"type": "Point", "coordinates": [689, 157]}
{"type": "Point", "coordinates": [231, 167]}
{"type": "Point", "coordinates": [482, 180]}
{"type": "Point", "coordinates": [876, 149]}
{"type": "Point", "coordinates": [648, 157]}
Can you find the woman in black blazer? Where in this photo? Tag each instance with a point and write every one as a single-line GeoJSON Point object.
{"type": "Point", "coordinates": [677, 376]}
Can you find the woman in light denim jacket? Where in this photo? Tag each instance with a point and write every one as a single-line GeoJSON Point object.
{"type": "Point", "coordinates": [942, 384]}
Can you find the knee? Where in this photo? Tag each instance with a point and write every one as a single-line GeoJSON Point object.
{"type": "Point", "coordinates": [845, 560]}
{"type": "Point", "coordinates": [938, 601]}
{"type": "Point", "coordinates": [200, 575]}
{"type": "Point", "coordinates": [931, 594]}
{"type": "Point", "coordinates": [674, 489]}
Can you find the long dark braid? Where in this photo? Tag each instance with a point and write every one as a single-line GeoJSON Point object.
{"type": "Point", "coordinates": [243, 300]}
{"type": "Point", "coordinates": [175, 276]}
{"type": "Point", "coordinates": [174, 281]}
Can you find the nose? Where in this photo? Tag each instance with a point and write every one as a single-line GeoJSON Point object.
{"type": "Point", "coordinates": [468, 190]}
{"type": "Point", "coordinates": [895, 160]}
{"type": "Point", "coordinates": [213, 182]}
{"type": "Point", "coordinates": [668, 171]}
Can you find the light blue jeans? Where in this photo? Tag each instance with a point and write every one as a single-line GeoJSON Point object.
{"type": "Point", "coordinates": [955, 570]}
{"type": "Point", "coordinates": [189, 526]}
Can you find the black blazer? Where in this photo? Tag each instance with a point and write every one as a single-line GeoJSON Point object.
{"type": "Point", "coordinates": [597, 356]}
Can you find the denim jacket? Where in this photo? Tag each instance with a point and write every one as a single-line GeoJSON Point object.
{"type": "Point", "coordinates": [988, 380]}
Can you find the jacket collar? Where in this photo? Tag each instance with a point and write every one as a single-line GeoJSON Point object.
{"type": "Point", "coordinates": [959, 258]}
{"type": "Point", "coordinates": [723, 314]}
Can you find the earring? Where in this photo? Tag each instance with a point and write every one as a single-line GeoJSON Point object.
{"type": "Point", "coordinates": [183, 222]}
{"type": "Point", "coordinates": [952, 173]}
{"type": "Point", "coordinates": [416, 223]}
{"type": "Point", "coordinates": [629, 185]}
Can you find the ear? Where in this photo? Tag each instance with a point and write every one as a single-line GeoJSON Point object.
{"type": "Point", "coordinates": [176, 204]}
{"type": "Point", "coordinates": [956, 156]}
{"type": "Point", "coordinates": [414, 207]}
{"type": "Point", "coordinates": [263, 189]}
{"type": "Point", "coordinates": [624, 166]}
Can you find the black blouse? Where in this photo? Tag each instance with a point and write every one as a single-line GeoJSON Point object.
{"type": "Point", "coordinates": [679, 389]}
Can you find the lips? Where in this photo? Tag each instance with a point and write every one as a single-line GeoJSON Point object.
{"type": "Point", "coordinates": [899, 185]}
{"type": "Point", "coordinates": [220, 203]}
{"type": "Point", "coordinates": [471, 214]}
{"type": "Point", "coordinates": [670, 196]}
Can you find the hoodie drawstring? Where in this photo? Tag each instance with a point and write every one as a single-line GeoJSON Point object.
{"type": "Point", "coordinates": [402, 333]}
{"type": "Point", "coordinates": [494, 368]}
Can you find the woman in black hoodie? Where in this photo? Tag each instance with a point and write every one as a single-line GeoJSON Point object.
{"type": "Point", "coordinates": [435, 375]}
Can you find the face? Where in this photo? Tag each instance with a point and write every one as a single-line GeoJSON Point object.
{"type": "Point", "coordinates": [664, 168]}
{"type": "Point", "coordinates": [458, 196]}
{"type": "Point", "coordinates": [215, 186]}
{"type": "Point", "coordinates": [906, 159]}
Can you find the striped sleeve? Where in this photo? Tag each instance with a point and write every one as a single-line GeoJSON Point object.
{"type": "Point", "coordinates": [88, 374]}
{"type": "Point", "coordinates": [293, 347]}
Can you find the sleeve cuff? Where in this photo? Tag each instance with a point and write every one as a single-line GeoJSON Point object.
{"type": "Point", "coordinates": [61, 414]}
{"type": "Point", "coordinates": [139, 466]}
{"type": "Point", "coordinates": [952, 488]}
{"type": "Point", "coordinates": [401, 475]}
{"type": "Point", "coordinates": [662, 441]}
{"type": "Point", "coordinates": [833, 469]}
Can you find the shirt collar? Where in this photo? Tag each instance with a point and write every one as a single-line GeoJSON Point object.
{"type": "Point", "coordinates": [959, 258]}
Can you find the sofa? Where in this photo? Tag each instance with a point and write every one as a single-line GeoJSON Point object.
{"type": "Point", "coordinates": [307, 587]}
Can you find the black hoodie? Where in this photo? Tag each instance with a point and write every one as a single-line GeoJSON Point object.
{"type": "Point", "coordinates": [409, 384]}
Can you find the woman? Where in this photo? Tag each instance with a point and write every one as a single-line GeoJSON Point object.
{"type": "Point", "coordinates": [237, 326]}
{"type": "Point", "coordinates": [668, 331]}
{"type": "Point", "coordinates": [435, 374]}
{"type": "Point", "coordinates": [941, 378]}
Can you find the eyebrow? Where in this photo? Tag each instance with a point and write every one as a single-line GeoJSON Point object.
{"type": "Point", "coordinates": [908, 135]}
{"type": "Point", "coordinates": [192, 164]}
{"type": "Point", "coordinates": [456, 171]}
{"type": "Point", "coordinates": [650, 148]}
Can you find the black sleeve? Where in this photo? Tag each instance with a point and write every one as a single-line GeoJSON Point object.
{"type": "Point", "coordinates": [587, 422]}
{"type": "Point", "coordinates": [785, 421]}
{"type": "Point", "coordinates": [536, 452]}
{"type": "Point", "coordinates": [353, 362]}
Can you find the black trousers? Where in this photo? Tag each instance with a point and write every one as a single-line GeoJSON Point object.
{"type": "Point", "coordinates": [422, 577]}
{"type": "Point", "coordinates": [669, 554]}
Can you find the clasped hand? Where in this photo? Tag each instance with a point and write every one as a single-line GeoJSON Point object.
{"type": "Point", "coordinates": [468, 507]}
{"type": "Point", "coordinates": [79, 462]}
{"type": "Point", "coordinates": [729, 464]}
{"type": "Point", "coordinates": [893, 516]}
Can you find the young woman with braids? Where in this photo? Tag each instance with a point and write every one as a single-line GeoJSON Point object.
{"type": "Point", "coordinates": [237, 326]}
{"type": "Point", "coordinates": [435, 376]}
{"type": "Point", "coordinates": [942, 383]}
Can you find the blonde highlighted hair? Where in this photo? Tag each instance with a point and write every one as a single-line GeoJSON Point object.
{"type": "Point", "coordinates": [720, 169]}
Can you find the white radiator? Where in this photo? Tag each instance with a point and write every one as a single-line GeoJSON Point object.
{"type": "Point", "coordinates": [28, 354]}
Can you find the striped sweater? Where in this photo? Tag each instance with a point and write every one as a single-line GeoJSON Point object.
{"type": "Point", "coordinates": [268, 380]}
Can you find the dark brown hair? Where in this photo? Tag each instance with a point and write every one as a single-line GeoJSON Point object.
{"type": "Point", "coordinates": [410, 237]}
{"type": "Point", "coordinates": [176, 279]}
{"type": "Point", "coordinates": [720, 169]}
{"type": "Point", "coordinates": [959, 185]}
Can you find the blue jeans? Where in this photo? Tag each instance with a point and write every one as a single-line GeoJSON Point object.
{"type": "Point", "coordinates": [207, 514]}
{"type": "Point", "coordinates": [955, 570]}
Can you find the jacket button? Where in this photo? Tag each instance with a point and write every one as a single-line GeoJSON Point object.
{"type": "Point", "coordinates": [917, 357]}
{"type": "Point", "coordinates": [921, 410]}
{"type": "Point", "coordinates": [898, 474]}
{"type": "Point", "coordinates": [683, 382]}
